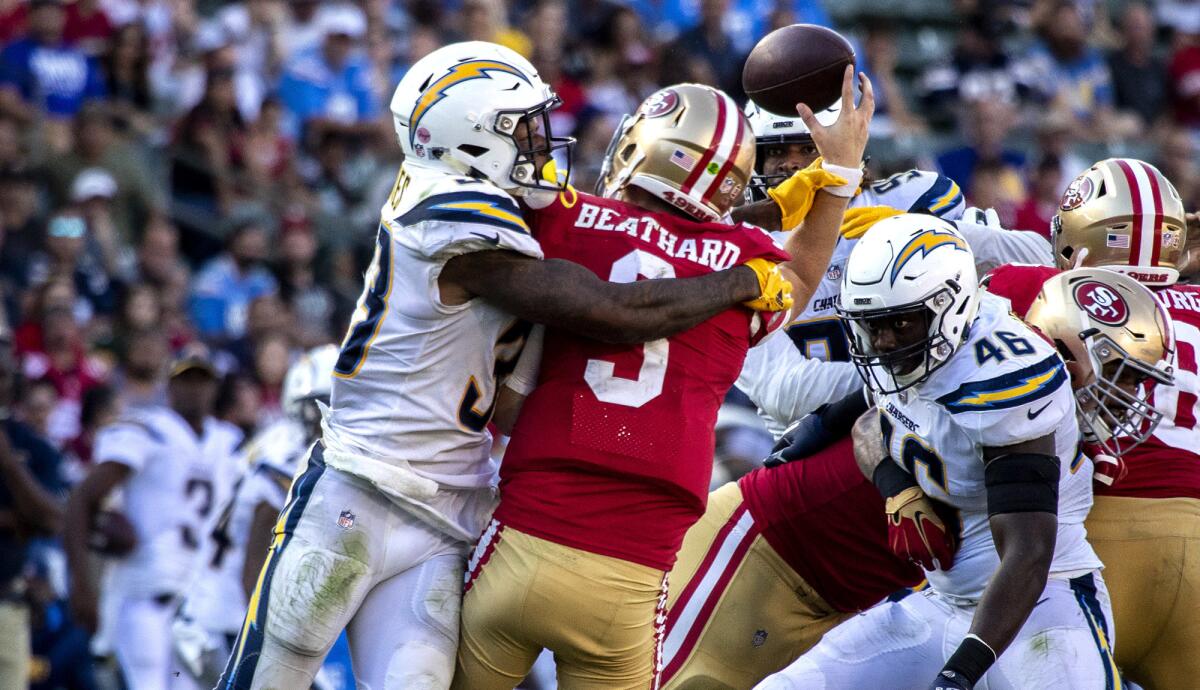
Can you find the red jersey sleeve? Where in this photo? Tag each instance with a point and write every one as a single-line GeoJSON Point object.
{"type": "Point", "coordinates": [1018, 283]}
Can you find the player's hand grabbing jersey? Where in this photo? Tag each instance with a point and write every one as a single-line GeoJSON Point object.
{"type": "Point", "coordinates": [1167, 464]}
{"type": "Point", "coordinates": [1004, 385]}
{"type": "Point", "coordinates": [417, 378]}
{"type": "Point", "coordinates": [605, 417]}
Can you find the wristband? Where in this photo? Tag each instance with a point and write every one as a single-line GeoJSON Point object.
{"type": "Point", "coordinates": [972, 659]}
{"type": "Point", "coordinates": [890, 479]}
{"type": "Point", "coordinates": [853, 177]}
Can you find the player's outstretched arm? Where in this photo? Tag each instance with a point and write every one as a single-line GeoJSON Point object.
{"type": "Point", "coordinates": [841, 144]}
{"type": "Point", "coordinates": [1022, 491]}
{"type": "Point", "coordinates": [568, 296]}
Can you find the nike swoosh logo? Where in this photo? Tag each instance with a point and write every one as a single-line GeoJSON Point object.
{"type": "Point", "coordinates": [1033, 415]}
{"type": "Point", "coordinates": [494, 239]}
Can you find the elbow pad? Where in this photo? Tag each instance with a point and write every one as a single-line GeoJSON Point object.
{"type": "Point", "coordinates": [1022, 483]}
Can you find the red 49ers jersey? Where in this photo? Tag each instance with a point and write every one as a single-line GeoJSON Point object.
{"type": "Point", "coordinates": [1166, 465]}
{"type": "Point", "coordinates": [613, 450]}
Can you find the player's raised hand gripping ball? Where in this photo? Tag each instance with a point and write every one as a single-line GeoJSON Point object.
{"type": "Point", "coordinates": [801, 63]}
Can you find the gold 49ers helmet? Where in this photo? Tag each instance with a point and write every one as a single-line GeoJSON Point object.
{"type": "Point", "coordinates": [1127, 216]}
{"type": "Point", "coordinates": [1116, 339]}
{"type": "Point", "coordinates": [689, 145]}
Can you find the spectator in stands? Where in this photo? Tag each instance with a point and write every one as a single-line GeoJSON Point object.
{"type": "Point", "coordinates": [225, 287]}
{"type": "Point", "coordinates": [71, 253]}
{"type": "Point", "coordinates": [1177, 160]}
{"type": "Point", "coordinates": [36, 406]}
{"type": "Point", "coordinates": [707, 53]}
{"type": "Point", "coordinates": [979, 68]}
{"type": "Point", "coordinates": [139, 378]}
{"type": "Point", "coordinates": [12, 146]}
{"type": "Point", "coordinates": [87, 27]}
{"type": "Point", "coordinates": [1183, 70]}
{"type": "Point", "coordinates": [97, 146]}
{"type": "Point", "coordinates": [30, 484]}
{"type": "Point", "coordinates": [1072, 76]}
{"type": "Point", "coordinates": [1057, 138]}
{"type": "Point", "coordinates": [1044, 192]}
{"type": "Point", "coordinates": [127, 76]}
{"type": "Point", "coordinates": [64, 362]}
{"type": "Point", "coordinates": [22, 231]}
{"type": "Point", "coordinates": [310, 301]}
{"type": "Point", "coordinates": [487, 20]}
{"type": "Point", "coordinates": [328, 89]}
{"type": "Point", "coordinates": [101, 407]}
{"type": "Point", "coordinates": [158, 261]}
{"type": "Point", "coordinates": [892, 113]}
{"type": "Point", "coordinates": [205, 158]}
{"type": "Point", "coordinates": [985, 124]}
{"type": "Point", "coordinates": [1139, 75]}
{"type": "Point", "coordinates": [997, 186]}
{"type": "Point", "coordinates": [41, 74]}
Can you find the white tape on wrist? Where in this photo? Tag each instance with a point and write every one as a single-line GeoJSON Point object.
{"type": "Point", "coordinates": [853, 177]}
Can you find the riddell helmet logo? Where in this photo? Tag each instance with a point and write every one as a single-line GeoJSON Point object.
{"type": "Point", "coordinates": [660, 103]}
{"type": "Point", "coordinates": [1102, 302]}
{"type": "Point", "coordinates": [1079, 191]}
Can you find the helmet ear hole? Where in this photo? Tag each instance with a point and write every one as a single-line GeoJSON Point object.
{"type": "Point", "coordinates": [472, 150]}
{"type": "Point", "coordinates": [627, 152]}
{"type": "Point", "coordinates": [1102, 190]}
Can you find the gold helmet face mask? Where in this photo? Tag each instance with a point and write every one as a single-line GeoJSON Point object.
{"type": "Point", "coordinates": [689, 145]}
{"type": "Point", "coordinates": [1124, 215]}
{"type": "Point", "coordinates": [1112, 332]}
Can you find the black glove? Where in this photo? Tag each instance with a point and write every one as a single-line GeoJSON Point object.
{"type": "Point", "coordinates": [949, 680]}
{"type": "Point", "coordinates": [802, 439]}
{"type": "Point", "coordinates": [814, 432]}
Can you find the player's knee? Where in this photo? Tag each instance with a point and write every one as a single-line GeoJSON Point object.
{"type": "Point", "coordinates": [418, 665]}
{"type": "Point", "coordinates": [313, 592]}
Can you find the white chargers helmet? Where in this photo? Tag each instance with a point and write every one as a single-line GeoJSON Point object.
{"type": "Point", "coordinates": [772, 130]}
{"type": "Point", "coordinates": [309, 379]}
{"type": "Point", "coordinates": [459, 110]}
{"type": "Point", "coordinates": [909, 271]}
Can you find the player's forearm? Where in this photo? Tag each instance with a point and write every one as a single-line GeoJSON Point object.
{"type": "Point", "coordinates": [258, 542]}
{"type": "Point", "coordinates": [570, 297]}
{"type": "Point", "coordinates": [765, 214]}
{"type": "Point", "coordinates": [77, 518]}
{"type": "Point", "coordinates": [811, 245]}
{"type": "Point", "coordinates": [1025, 542]}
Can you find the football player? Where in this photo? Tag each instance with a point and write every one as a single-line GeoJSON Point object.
{"type": "Point", "coordinates": [1124, 215]}
{"type": "Point", "coordinates": [212, 612]}
{"type": "Point", "coordinates": [375, 533]}
{"type": "Point", "coordinates": [172, 465]}
{"type": "Point", "coordinates": [974, 410]}
{"type": "Point", "coordinates": [778, 380]}
{"type": "Point", "coordinates": [756, 595]}
{"type": "Point", "coordinates": [610, 459]}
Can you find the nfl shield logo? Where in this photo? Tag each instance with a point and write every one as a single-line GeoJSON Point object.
{"type": "Point", "coordinates": [346, 520]}
{"type": "Point", "coordinates": [759, 638]}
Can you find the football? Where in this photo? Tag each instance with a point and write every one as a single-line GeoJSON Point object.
{"type": "Point", "coordinates": [801, 63]}
{"type": "Point", "coordinates": [112, 534]}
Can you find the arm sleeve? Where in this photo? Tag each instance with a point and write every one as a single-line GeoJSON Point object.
{"type": "Point", "coordinates": [786, 385]}
{"type": "Point", "coordinates": [993, 247]}
{"type": "Point", "coordinates": [123, 442]}
{"type": "Point", "coordinates": [524, 377]}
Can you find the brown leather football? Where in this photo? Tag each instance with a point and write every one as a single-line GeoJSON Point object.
{"type": "Point", "coordinates": [801, 63]}
{"type": "Point", "coordinates": [112, 534]}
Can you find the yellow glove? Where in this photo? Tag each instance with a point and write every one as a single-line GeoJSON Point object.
{"type": "Point", "coordinates": [775, 292]}
{"type": "Point", "coordinates": [794, 196]}
{"type": "Point", "coordinates": [856, 221]}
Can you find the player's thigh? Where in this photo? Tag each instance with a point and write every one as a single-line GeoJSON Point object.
{"type": "Point", "coordinates": [142, 643]}
{"type": "Point", "coordinates": [495, 648]}
{"type": "Point", "coordinates": [1141, 552]}
{"type": "Point", "coordinates": [1065, 642]}
{"type": "Point", "coordinates": [1174, 658]}
{"type": "Point", "coordinates": [701, 538]}
{"type": "Point", "coordinates": [763, 616]}
{"type": "Point", "coordinates": [405, 633]}
{"type": "Point", "coordinates": [603, 619]}
{"type": "Point", "coordinates": [323, 560]}
{"type": "Point", "coordinates": [895, 645]}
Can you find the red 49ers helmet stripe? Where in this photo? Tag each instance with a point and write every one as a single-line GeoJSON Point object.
{"type": "Point", "coordinates": [737, 145]}
{"type": "Point", "coordinates": [718, 134]}
{"type": "Point", "coordinates": [1145, 237]}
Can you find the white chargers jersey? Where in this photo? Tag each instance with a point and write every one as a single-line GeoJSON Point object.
{"type": "Point", "coordinates": [415, 383]}
{"type": "Point", "coordinates": [178, 480]}
{"type": "Point", "coordinates": [1004, 385]}
{"type": "Point", "coordinates": [216, 601]}
{"type": "Point", "coordinates": [817, 331]}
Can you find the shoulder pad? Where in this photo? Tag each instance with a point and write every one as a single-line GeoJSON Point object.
{"type": "Point", "coordinates": [1009, 389]}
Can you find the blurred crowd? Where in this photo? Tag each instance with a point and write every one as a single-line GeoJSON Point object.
{"type": "Point", "coordinates": [213, 170]}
